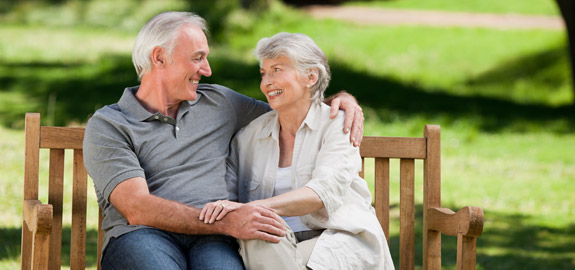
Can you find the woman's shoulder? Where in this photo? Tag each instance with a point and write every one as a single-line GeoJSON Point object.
{"type": "Point", "coordinates": [263, 123]}
{"type": "Point", "coordinates": [324, 112]}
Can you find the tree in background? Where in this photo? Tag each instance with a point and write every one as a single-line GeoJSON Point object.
{"type": "Point", "coordinates": [567, 8]}
{"type": "Point", "coordinates": [217, 12]}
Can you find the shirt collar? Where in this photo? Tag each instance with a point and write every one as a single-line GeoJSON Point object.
{"type": "Point", "coordinates": [271, 127]}
{"type": "Point", "coordinates": [314, 116]}
{"type": "Point", "coordinates": [312, 121]}
{"type": "Point", "coordinates": [130, 105]}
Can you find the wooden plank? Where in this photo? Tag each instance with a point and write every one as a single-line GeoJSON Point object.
{"type": "Point", "coordinates": [407, 214]}
{"type": "Point", "coordinates": [31, 160]}
{"type": "Point", "coordinates": [62, 137]}
{"type": "Point", "coordinates": [362, 172]}
{"type": "Point", "coordinates": [100, 237]}
{"type": "Point", "coordinates": [431, 196]}
{"type": "Point", "coordinates": [32, 156]}
{"type": "Point", "coordinates": [55, 198]}
{"type": "Point", "coordinates": [40, 251]}
{"type": "Point", "coordinates": [466, 252]}
{"type": "Point", "coordinates": [393, 147]}
{"type": "Point", "coordinates": [382, 194]}
{"type": "Point", "coordinates": [467, 221]}
{"type": "Point", "coordinates": [79, 198]}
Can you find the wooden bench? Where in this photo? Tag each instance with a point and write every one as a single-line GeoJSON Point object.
{"type": "Point", "coordinates": [42, 222]}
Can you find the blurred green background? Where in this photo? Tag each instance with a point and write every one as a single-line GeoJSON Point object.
{"type": "Point", "coordinates": [503, 99]}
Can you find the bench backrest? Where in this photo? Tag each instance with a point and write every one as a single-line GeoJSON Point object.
{"type": "Point", "coordinates": [407, 150]}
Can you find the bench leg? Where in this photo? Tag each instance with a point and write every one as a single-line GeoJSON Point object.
{"type": "Point", "coordinates": [465, 252]}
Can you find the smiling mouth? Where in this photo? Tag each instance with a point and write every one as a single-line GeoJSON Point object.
{"type": "Point", "coordinates": [195, 81]}
{"type": "Point", "coordinates": [275, 92]}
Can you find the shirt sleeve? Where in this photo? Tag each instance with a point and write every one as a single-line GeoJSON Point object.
{"type": "Point", "coordinates": [108, 156]}
{"type": "Point", "coordinates": [232, 171]}
{"type": "Point", "coordinates": [246, 108]}
{"type": "Point", "coordinates": [336, 167]}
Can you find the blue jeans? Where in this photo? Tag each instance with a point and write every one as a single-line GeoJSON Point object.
{"type": "Point", "coordinates": [156, 249]}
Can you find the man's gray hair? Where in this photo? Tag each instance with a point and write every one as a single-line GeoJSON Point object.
{"type": "Point", "coordinates": [304, 54]}
{"type": "Point", "coordinates": [161, 31]}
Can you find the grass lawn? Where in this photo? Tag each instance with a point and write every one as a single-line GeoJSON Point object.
{"type": "Point", "coordinates": [527, 7]}
{"type": "Point", "coordinates": [500, 97]}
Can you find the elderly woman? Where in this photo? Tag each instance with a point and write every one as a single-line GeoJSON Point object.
{"type": "Point", "coordinates": [299, 163]}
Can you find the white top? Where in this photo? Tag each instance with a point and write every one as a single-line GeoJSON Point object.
{"type": "Point", "coordinates": [283, 185]}
{"type": "Point", "coordinates": [325, 161]}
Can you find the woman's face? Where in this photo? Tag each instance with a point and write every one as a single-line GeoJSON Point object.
{"type": "Point", "coordinates": [283, 86]}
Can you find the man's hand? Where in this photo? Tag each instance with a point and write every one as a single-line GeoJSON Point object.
{"type": "Point", "coordinates": [353, 115]}
{"type": "Point", "coordinates": [254, 222]}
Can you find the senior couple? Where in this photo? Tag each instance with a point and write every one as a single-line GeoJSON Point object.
{"type": "Point", "coordinates": [284, 194]}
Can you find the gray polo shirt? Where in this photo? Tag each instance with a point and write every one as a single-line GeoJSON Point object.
{"type": "Point", "coordinates": [182, 159]}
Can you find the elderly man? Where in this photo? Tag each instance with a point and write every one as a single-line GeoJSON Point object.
{"type": "Point", "coordinates": [158, 155]}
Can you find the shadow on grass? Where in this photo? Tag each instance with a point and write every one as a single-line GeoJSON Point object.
{"type": "Point", "coordinates": [90, 86]}
{"type": "Point", "coordinates": [491, 114]}
{"type": "Point", "coordinates": [11, 239]}
{"type": "Point", "coordinates": [69, 98]}
{"type": "Point", "coordinates": [509, 241]}
{"type": "Point", "coordinates": [549, 67]}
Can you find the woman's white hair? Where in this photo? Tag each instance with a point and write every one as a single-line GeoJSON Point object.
{"type": "Point", "coordinates": [161, 31]}
{"type": "Point", "coordinates": [304, 54]}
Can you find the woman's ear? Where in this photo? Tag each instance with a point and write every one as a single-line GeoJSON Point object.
{"type": "Point", "coordinates": [312, 76]}
{"type": "Point", "coordinates": [158, 57]}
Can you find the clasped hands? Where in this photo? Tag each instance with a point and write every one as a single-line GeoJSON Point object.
{"type": "Point", "coordinates": [245, 221]}
{"type": "Point", "coordinates": [215, 211]}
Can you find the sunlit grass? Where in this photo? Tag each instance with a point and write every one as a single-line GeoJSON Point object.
{"type": "Point", "coordinates": [53, 45]}
{"type": "Point", "coordinates": [534, 7]}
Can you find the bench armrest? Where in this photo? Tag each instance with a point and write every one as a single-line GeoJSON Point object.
{"type": "Point", "coordinates": [466, 224]}
{"type": "Point", "coordinates": [38, 216]}
{"type": "Point", "coordinates": [36, 236]}
{"type": "Point", "coordinates": [468, 221]}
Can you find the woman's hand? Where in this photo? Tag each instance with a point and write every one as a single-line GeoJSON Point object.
{"type": "Point", "coordinates": [215, 211]}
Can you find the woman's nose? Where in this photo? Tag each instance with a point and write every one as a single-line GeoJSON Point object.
{"type": "Point", "coordinates": [267, 79]}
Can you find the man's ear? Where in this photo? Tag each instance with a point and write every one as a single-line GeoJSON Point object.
{"type": "Point", "coordinates": [158, 56]}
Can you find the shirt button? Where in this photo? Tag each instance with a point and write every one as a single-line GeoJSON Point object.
{"type": "Point", "coordinates": [156, 117]}
{"type": "Point", "coordinates": [177, 128]}
{"type": "Point", "coordinates": [165, 119]}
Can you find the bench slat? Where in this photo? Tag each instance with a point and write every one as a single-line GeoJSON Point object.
{"type": "Point", "coordinates": [79, 197]}
{"type": "Point", "coordinates": [393, 147]}
{"type": "Point", "coordinates": [407, 214]}
{"type": "Point", "coordinates": [55, 191]}
{"type": "Point", "coordinates": [62, 137]}
{"type": "Point", "coordinates": [100, 237]}
{"type": "Point", "coordinates": [431, 196]}
{"type": "Point", "coordinates": [382, 194]}
{"type": "Point", "coordinates": [31, 172]}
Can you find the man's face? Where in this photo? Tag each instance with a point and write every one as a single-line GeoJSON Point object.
{"type": "Point", "coordinates": [187, 64]}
